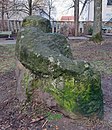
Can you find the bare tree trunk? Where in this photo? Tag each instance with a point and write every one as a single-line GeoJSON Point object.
{"type": "Point", "coordinates": [49, 12]}
{"type": "Point", "coordinates": [50, 3]}
{"type": "Point", "coordinates": [3, 9]}
{"type": "Point", "coordinates": [97, 27]}
{"type": "Point", "coordinates": [30, 7]}
{"type": "Point", "coordinates": [76, 16]}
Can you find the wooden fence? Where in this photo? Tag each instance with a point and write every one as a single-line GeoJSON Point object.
{"type": "Point", "coordinates": [10, 25]}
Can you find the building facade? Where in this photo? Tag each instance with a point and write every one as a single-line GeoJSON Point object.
{"type": "Point", "coordinates": [88, 13]}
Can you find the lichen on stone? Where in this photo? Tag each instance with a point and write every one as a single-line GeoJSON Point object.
{"type": "Point", "coordinates": [51, 59]}
{"type": "Point", "coordinates": [22, 37]}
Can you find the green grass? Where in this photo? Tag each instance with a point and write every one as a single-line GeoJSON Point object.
{"type": "Point", "coordinates": [7, 57]}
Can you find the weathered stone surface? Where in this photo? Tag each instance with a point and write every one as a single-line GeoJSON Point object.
{"type": "Point", "coordinates": [37, 21]}
{"type": "Point", "coordinates": [24, 79]}
{"type": "Point", "coordinates": [75, 85]}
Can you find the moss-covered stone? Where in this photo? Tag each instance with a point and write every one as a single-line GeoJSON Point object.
{"type": "Point", "coordinates": [76, 85]}
{"type": "Point", "coordinates": [38, 21]}
{"type": "Point", "coordinates": [80, 94]}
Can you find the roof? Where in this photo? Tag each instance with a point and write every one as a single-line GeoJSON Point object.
{"type": "Point", "coordinates": [67, 18]}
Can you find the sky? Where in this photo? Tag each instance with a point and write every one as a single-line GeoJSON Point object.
{"type": "Point", "coordinates": [62, 8]}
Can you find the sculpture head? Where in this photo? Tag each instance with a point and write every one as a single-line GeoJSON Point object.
{"type": "Point", "coordinates": [37, 21]}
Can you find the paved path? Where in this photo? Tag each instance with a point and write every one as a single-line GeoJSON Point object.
{"type": "Point", "coordinates": [4, 41]}
{"type": "Point", "coordinates": [86, 37]}
{"type": "Point", "coordinates": [78, 38]}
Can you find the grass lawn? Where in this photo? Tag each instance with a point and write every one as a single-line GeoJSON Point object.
{"type": "Point", "coordinates": [7, 57]}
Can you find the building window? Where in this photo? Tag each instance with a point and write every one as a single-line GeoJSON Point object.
{"type": "Point", "coordinates": [109, 2]}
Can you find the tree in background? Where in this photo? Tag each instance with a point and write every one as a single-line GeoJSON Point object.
{"type": "Point", "coordinates": [50, 6]}
{"type": "Point", "coordinates": [3, 5]}
{"type": "Point", "coordinates": [28, 6]}
{"type": "Point", "coordinates": [97, 26]}
{"type": "Point", "coordinates": [75, 6]}
{"type": "Point", "coordinates": [5, 9]}
{"type": "Point", "coordinates": [10, 8]}
{"type": "Point", "coordinates": [76, 16]}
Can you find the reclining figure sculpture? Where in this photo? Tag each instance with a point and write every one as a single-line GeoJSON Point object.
{"type": "Point", "coordinates": [75, 85]}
